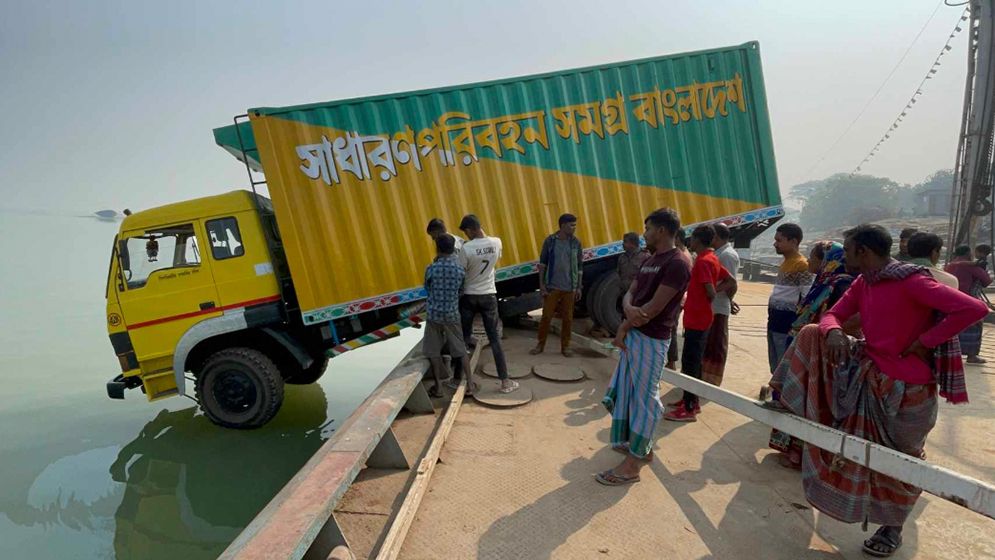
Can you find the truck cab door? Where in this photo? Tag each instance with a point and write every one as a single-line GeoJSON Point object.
{"type": "Point", "coordinates": [167, 287]}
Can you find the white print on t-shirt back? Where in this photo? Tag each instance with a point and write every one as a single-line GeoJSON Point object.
{"type": "Point", "coordinates": [479, 258]}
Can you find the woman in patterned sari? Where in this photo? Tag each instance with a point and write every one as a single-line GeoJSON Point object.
{"type": "Point", "coordinates": [828, 263]}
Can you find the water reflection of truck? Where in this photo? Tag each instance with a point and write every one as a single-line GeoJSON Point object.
{"type": "Point", "coordinates": [180, 498]}
{"type": "Point", "coordinates": [248, 293]}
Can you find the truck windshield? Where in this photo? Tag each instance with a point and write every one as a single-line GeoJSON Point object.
{"type": "Point", "coordinates": [172, 247]}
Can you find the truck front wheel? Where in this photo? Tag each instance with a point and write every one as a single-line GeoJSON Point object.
{"type": "Point", "coordinates": [239, 388]}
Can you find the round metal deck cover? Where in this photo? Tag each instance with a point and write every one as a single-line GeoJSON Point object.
{"type": "Point", "coordinates": [515, 371]}
{"type": "Point", "coordinates": [488, 393]}
{"type": "Point", "coordinates": [558, 372]}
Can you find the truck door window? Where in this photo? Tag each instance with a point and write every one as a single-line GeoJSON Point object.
{"type": "Point", "coordinates": [226, 241]}
{"type": "Point", "coordinates": [172, 247]}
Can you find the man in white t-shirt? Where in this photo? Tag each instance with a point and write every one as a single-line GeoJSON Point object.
{"type": "Point", "coordinates": [479, 258]}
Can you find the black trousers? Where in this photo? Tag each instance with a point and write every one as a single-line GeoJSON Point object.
{"type": "Point", "coordinates": [486, 306]}
{"type": "Point", "coordinates": [691, 358]}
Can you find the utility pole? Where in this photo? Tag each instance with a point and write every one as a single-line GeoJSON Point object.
{"type": "Point", "coordinates": [974, 177]}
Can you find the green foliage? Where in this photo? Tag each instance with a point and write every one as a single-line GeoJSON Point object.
{"type": "Point", "coordinates": [845, 199]}
{"type": "Point", "coordinates": [941, 180]}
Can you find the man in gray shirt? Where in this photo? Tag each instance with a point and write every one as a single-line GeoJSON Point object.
{"type": "Point", "coordinates": [561, 264]}
{"type": "Point", "coordinates": [717, 345]}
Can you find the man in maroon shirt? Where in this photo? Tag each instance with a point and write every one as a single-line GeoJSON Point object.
{"type": "Point", "coordinates": [708, 277]}
{"type": "Point", "coordinates": [650, 305]}
{"type": "Point", "coordinates": [972, 279]}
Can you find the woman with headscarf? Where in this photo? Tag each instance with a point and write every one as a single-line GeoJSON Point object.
{"type": "Point", "coordinates": [832, 280]}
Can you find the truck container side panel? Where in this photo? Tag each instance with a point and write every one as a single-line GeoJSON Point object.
{"type": "Point", "coordinates": [355, 182]}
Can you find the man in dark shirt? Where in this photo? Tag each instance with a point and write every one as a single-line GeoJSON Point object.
{"type": "Point", "coordinates": [651, 307]}
{"type": "Point", "coordinates": [982, 254]}
{"type": "Point", "coordinates": [903, 244]}
{"type": "Point", "coordinates": [561, 262]}
{"type": "Point", "coordinates": [972, 279]}
{"type": "Point", "coordinates": [631, 259]}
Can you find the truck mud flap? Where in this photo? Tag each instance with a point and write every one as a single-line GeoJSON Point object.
{"type": "Point", "coordinates": [117, 386]}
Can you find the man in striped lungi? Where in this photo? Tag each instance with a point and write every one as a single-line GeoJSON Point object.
{"type": "Point", "coordinates": [883, 388]}
{"type": "Point", "coordinates": [651, 306]}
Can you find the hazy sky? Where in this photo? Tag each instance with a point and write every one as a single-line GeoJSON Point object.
{"type": "Point", "coordinates": [111, 104]}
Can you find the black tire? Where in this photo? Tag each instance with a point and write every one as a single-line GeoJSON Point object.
{"type": "Point", "coordinates": [608, 305]}
{"type": "Point", "coordinates": [293, 374]}
{"type": "Point", "coordinates": [592, 297]}
{"type": "Point", "coordinates": [239, 388]}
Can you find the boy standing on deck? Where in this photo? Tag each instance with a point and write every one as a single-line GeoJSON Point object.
{"type": "Point", "coordinates": [443, 285]}
{"type": "Point", "coordinates": [708, 278]}
{"type": "Point", "coordinates": [793, 282]}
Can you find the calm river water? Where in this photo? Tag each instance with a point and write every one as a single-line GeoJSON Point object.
{"type": "Point", "coordinates": [83, 476]}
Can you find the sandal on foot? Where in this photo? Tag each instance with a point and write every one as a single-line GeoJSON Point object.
{"type": "Point", "coordinates": [435, 393]}
{"type": "Point", "coordinates": [513, 386]}
{"type": "Point", "coordinates": [609, 478]}
{"type": "Point", "coordinates": [883, 540]}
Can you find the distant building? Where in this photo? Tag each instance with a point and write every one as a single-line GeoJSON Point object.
{"type": "Point", "coordinates": [934, 201]}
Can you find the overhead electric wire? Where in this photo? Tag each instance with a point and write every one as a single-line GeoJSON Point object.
{"type": "Point", "coordinates": [846, 131]}
{"type": "Point", "coordinates": [918, 91]}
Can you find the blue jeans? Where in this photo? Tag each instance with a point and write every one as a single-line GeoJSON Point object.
{"type": "Point", "coordinates": [777, 344]}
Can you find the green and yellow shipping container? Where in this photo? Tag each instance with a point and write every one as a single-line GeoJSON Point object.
{"type": "Point", "coordinates": [355, 182]}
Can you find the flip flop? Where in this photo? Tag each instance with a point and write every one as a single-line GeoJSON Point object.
{"type": "Point", "coordinates": [880, 539]}
{"type": "Point", "coordinates": [609, 478]}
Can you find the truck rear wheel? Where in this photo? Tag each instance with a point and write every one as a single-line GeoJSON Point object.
{"type": "Point", "coordinates": [591, 296]}
{"type": "Point", "coordinates": [239, 388]}
{"type": "Point", "coordinates": [607, 304]}
{"type": "Point", "coordinates": [296, 375]}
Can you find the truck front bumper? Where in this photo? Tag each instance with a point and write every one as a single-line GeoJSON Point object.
{"type": "Point", "coordinates": [117, 386]}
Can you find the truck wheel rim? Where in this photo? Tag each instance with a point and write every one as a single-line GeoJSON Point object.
{"type": "Point", "coordinates": [234, 391]}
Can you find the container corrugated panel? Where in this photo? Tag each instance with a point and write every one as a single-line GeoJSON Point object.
{"type": "Point", "coordinates": [355, 182]}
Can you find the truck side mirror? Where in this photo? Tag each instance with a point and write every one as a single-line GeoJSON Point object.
{"type": "Point", "coordinates": [122, 252]}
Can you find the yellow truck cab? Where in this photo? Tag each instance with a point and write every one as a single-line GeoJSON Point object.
{"type": "Point", "coordinates": [193, 286]}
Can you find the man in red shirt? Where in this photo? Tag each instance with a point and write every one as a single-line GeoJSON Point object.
{"type": "Point", "coordinates": [708, 277]}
